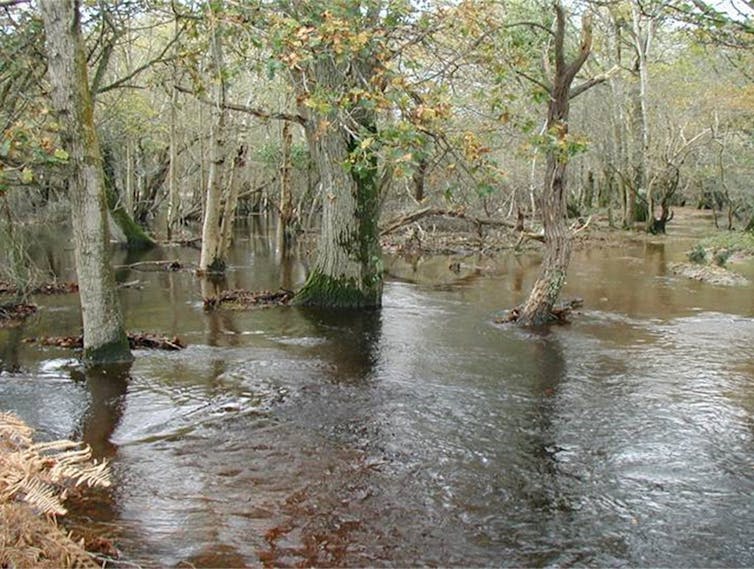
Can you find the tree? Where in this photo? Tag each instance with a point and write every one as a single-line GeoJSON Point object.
{"type": "Point", "coordinates": [105, 339]}
{"type": "Point", "coordinates": [212, 258]}
{"type": "Point", "coordinates": [334, 56]}
{"type": "Point", "coordinates": [559, 147]}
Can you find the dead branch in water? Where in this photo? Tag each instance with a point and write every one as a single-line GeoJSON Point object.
{"type": "Point", "coordinates": [239, 298]}
{"type": "Point", "coordinates": [154, 266]}
{"type": "Point", "coordinates": [14, 313]}
{"type": "Point", "coordinates": [135, 341]}
{"type": "Point", "coordinates": [409, 218]}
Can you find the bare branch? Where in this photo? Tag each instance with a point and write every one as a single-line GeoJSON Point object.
{"type": "Point", "coordinates": [589, 83]}
{"type": "Point", "coordinates": [260, 113]}
{"type": "Point", "coordinates": [159, 58]}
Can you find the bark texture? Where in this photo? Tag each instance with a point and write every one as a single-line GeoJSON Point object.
{"type": "Point", "coordinates": [347, 272]}
{"type": "Point", "coordinates": [105, 339]}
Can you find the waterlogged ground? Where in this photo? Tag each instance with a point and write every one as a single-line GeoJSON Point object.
{"type": "Point", "coordinates": [422, 434]}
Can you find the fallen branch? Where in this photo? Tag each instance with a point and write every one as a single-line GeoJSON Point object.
{"type": "Point", "coordinates": [153, 266]}
{"type": "Point", "coordinates": [45, 288]}
{"type": "Point", "coordinates": [193, 242]}
{"type": "Point", "coordinates": [239, 298]}
{"type": "Point", "coordinates": [409, 218]}
{"type": "Point", "coordinates": [135, 341]}
{"type": "Point", "coordinates": [13, 313]}
{"type": "Point", "coordinates": [576, 228]}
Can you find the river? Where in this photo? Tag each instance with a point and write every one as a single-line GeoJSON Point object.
{"type": "Point", "coordinates": [420, 434]}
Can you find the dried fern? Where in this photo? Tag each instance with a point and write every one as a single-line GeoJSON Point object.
{"type": "Point", "coordinates": [14, 430]}
{"type": "Point", "coordinates": [29, 541]}
{"type": "Point", "coordinates": [39, 473]}
{"type": "Point", "coordinates": [35, 478]}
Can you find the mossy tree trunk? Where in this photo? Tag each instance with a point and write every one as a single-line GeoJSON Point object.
{"type": "Point", "coordinates": [537, 309]}
{"type": "Point", "coordinates": [347, 272]}
{"type": "Point", "coordinates": [105, 339]}
{"type": "Point", "coordinates": [136, 238]}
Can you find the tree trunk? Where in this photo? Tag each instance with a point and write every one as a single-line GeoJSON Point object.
{"type": "Point", "coordinates": [212, 260]}
{"type": "Point", "coordinates": [418, 178]}
{"type": "Point", "coordinates": [231, 204]}
{"type": "Point", "coordinates": [105, 339]}
{"type": "Point", "coordinates": [136, 238]}
{"type": "Point", "coordinates": [283, 237]}
{"type": "Point", "coordinates": [347, 272]}
{"type": "Point", "coordinates": [173, 195]}
{"type": "Point", "coordinates": [538, 308]}
{"type": "Point", "coordinates": [642, 37]}
{"type": "Point", "coordinates": [552, 276]}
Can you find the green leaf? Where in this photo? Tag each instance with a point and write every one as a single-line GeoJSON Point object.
{"type": "Point", "coordinates": [5, 149]}
{"type": "Point", "coordinates": [60, 155]}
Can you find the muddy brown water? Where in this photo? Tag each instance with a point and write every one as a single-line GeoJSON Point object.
{"type": "Point", "coordinates": [420, 434]}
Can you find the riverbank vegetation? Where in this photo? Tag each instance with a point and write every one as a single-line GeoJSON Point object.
{"type": "Point", "coordinates": [35, 480]}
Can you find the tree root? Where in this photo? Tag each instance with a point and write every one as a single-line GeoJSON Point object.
{"type": "Point", "coordinates": [558, 315]}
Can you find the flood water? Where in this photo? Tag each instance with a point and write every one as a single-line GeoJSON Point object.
{"type": "Point", "coordinates": [420, 434]}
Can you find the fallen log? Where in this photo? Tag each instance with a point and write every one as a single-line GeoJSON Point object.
{"type": "Point", "coordinates": [53, 287]}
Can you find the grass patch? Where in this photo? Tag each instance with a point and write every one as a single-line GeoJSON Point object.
{"type": "Point", "coordinates": [718, 248]}
{"type": "Point", "coordinates": [732, 241]}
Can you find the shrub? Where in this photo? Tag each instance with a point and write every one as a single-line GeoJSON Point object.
{"type": "Point", "coordinates": [698, 255]}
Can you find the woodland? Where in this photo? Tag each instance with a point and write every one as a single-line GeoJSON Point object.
{"type": "Point", "coordinates": [150, 120]}
{"type": "Point", "coordinates": [350, 123]}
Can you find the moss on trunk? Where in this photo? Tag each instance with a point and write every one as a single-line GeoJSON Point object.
{"type": "Point", "coordinates": [116, 351]}
{"type": "Point", "coordinates": [136, 238]}
{"type": "Point", "coordinates": [332, 292]}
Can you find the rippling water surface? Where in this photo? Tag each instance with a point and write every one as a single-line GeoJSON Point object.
{"type": "Point", "coordinates": [421, 434]}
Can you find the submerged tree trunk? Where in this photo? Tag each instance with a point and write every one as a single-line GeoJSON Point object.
{"type": "Point", "coordinates": [212, 260]}
{"type": "Point", "coordinates": [552, 276]}
{"type": "Point", "coordinates": [643, 31]}
{"type": "Point", "coordinates": [105, 339]}
{"type": "Point", "coordinates": [347, 272]}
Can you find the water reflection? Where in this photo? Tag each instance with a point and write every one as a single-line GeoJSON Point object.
{"type": "Point", "coordinates": [352, 343]}
{"type": "Point", "coordinates": [107, 386]}
{"type": "Point", "coordinates": [9, 354]}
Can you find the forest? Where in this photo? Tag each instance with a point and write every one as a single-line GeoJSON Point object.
{"type": "Point", "coordinates": [191, 175]}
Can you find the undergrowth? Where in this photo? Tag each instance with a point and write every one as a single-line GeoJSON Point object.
{"type": "Point", "coordinates": [34, 482]}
